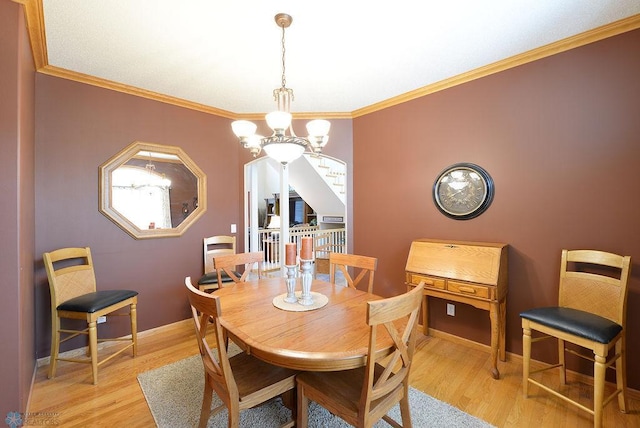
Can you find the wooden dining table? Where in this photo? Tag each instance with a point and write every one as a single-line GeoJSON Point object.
{"type": "Point", "coordinates": [333, 337]}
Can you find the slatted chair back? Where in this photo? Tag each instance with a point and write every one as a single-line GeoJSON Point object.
{"type": "Point", "coordinates": [72, 277]}
{"type": "Point", "coordinates": [229, 264]}
{"type": "Point", "coordinates": [362, 266]}
{"type": "Point", "coordinates": [594, 291]}
{"type": "Point", "coordinates": [214, 246]}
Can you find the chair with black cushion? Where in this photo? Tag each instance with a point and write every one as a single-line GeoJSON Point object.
{"type": "Point", "coordinates": [231, 266]}
{"type": "Point", "coordinates": [241, 381]}
{"type": "Point", "coordinates": [72, 284]}
{"type": "Point", "coordinates": [364, 395]}
{"type": "Point", "coordinates": [215, 246]}
{"type": "Point", "coordinates": [362, 265]}
{"type": "Point", "coordinates": [591, 314]}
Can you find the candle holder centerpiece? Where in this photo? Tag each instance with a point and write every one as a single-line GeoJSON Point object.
{"type": "Point", "coordinates": [291, 253]}
{"type": "Point", "coordinates": [305, 265]}
{"type": "Point", "coordinates": [305, 298]}
{"type": "Point", "coordinates": [291, 284]}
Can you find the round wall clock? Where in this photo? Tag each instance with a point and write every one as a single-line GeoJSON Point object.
{"type": "Point", "coordinates": [463, 191]}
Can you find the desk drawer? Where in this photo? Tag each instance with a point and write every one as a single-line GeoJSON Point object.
{"type": "Point", "coordinates": [428, 281]}
{"type": "Point", "coordinates": [468, 289]}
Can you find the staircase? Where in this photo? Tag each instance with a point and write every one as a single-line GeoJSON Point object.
{"type": "Point", "coordinates": [321, 182]}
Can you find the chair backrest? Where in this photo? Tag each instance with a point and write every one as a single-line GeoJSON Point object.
{"type": "Point", "coordinates": [229, 265]}
{"type": "Point", "coordinates": [70, 273]}
{"type": "Point", "coordinates": [386, 375]}
{"type": "Point", "coordinates": [206, 312]}
{"type": "Point", "coordinates": [595, 281]}
{"type": "Point", "coordinates": [362, 265]}
{"type": "Point", "coordinates": [217, 246]}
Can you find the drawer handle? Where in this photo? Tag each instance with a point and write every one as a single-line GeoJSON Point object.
{"type": "Point", "coordinates": [467, 290]}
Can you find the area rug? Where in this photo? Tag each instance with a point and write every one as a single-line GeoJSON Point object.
{"type": "Point", "coordinates": [174, 395]}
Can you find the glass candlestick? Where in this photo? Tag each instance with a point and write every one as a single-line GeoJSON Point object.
{"type": "Point", "coordinates": [305, 298]}
{"type": "Point", "coordinates": [291, 284]}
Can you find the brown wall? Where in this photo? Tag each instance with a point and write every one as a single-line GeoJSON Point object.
{"type": "Point", "coordinates": [78, 128]}
{"type": "Point", "coordinates": [561, 139]}
{"type": "Point", "coordinates": [16, 210]}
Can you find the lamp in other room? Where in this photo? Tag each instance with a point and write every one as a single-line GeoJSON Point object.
{"type": "Point", "coordinates": [274, 222]}
{"type": "Point", "coordinates": [281, 146]}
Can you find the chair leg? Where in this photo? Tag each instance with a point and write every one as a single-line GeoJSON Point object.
{"type": "Point", "coordinates": [206, 404]}
{"type": "Point", "coordinates": [405, 413]}
{"type": "Point", "coordinates": [599, 369]}
{"type": "Point", "coordinates": [302, 413]}
{"type": "Point", "coordinates": [93, 347]}
{"type": "Point", "coordinates": [55, 345]}
{"type": "Point", "coordinates": [561, 361]}
{"type": "Point", "coordinates": [526, 360]}
{"type": "Point", "coordinates": [134, 328]}
{"type": "Point", "coordinates": [621, 375]}
{"type": "Point", "coordinates": [234, 414]}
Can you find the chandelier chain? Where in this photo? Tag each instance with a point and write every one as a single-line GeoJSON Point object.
{"type": "Point", "coordinates": [284, 79]}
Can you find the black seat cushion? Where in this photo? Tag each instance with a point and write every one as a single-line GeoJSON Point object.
{"type": "Point", "coordinates": [212, 278]}
{"type": "Point", "coordinates": [95, 301]}
{"type": "Point", "coordinates": [573, 321]}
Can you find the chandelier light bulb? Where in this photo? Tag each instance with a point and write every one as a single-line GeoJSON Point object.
{"type": "Point", "coordinates": [318, 127]}
{"type": "Point", "coordinates": [279, 121]}
{"type": "Point", "coordinates": [243, 128]}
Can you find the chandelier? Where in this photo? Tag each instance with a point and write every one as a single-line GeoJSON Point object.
{"type": "Point", "coordinates": [281, 146]}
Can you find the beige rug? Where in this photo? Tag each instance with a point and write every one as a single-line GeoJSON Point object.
{"type": "Point", "coordinates": [174, 395]}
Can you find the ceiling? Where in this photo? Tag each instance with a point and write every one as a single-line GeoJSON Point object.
{"type": "Point", "coordinates": [341, 56]}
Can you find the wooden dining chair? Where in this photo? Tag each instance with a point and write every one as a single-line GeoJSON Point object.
{"type": "Point", "coordinates": [361, 265]}
{"type": "Point", "coordinates": [591, 314]}
{"type": "Point", "coordinates": [364, 395]}
{"type": "Point", "coordinates": [232, 264]}
{"type": "Point", "coordinates": [241, 381]}
{"type": "Point", "coordinates": [214, 246]}
{"type": "Point", "coordinates": [72, 285]}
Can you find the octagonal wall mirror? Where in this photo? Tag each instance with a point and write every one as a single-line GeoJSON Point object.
{"type": "Point", "coordinates": [152, 190]}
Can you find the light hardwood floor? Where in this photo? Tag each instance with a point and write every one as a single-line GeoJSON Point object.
{"type": "Point", "coordinates": [445, 368]}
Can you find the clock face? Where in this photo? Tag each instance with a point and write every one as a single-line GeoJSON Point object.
{"type": "Point", "coordinates": [463, 191]}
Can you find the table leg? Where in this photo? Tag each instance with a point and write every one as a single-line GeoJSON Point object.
{"type": "Point", "coordinates": [495, 333]}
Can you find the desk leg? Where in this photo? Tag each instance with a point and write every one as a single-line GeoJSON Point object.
{"type": "Point", "coordinates": [503, 324]}
{"type": "Point", "coordinates": [495, 334]}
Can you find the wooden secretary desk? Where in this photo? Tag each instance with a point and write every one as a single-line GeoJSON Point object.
{"type": "Point", "coordinates": [474, 273]}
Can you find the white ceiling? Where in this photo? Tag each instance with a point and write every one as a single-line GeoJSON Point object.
{"type": "Point", "coordinates": [340, 55]}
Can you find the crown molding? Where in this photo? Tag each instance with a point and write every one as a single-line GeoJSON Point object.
{"type": "Point", "coordinates": [34, 16]}
{"type": "Point", "coordinates": [35, 25]}
{"type": "Point", "coordinates": [132, 90]}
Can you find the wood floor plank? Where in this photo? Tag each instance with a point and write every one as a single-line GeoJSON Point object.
{"type": "Point", "coordinates": [452, 371]}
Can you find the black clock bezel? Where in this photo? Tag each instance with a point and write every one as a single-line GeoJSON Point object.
{"type": "Point", "coordinates": [482, 207]}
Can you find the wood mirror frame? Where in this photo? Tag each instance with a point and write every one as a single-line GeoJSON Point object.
{"type": "Point", "coordinates": [150, 153]}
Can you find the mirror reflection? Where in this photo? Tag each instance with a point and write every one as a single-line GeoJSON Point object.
{"type": "Point", "coordinates": [151, 190]}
